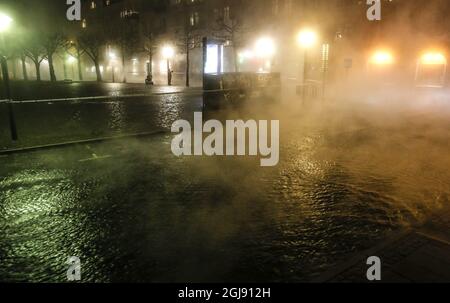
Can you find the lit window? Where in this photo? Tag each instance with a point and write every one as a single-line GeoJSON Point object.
{"type": "Point", "coordinates": [226, 13]}
{"type": "Point", "coordinates": [194, 19]}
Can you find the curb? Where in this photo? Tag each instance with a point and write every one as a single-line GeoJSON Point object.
{"type": "Point", "coordinates": [79, 142]}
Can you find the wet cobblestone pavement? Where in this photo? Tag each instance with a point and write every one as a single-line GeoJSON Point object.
{"type": "Point", "coordinates": [133, 212]}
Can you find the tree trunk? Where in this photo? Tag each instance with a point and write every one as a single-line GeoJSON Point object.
{"type": "Point", "coordinates": [150, 59]}
{"type": "Point", "coordinates": [124, 72]}
{"type": "Point", "coordinates": [80, 72]}
{"type": "Point", "coordinates": [14, 68]}
{"type": "Point", "coordinates": [37, 64]}
{"type": "Point", "coordinates": [51, 68]}
{"type": "Point", "coordinates": [188, 68]}
{"type": "Point", "coordinates": [97, 71]}
{"type": "Point", "coordinates": [24, 68]}
{"type": "Point", "coordinates": [65, 70]}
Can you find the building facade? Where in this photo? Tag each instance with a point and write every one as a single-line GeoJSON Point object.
{"type": "Point", "coordinates": [345, 34]}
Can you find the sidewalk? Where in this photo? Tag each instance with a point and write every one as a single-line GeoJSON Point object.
{"type": "Point", "coordinates": [418, 255]}
{"type": "Point", "coordinates": [59, 90]}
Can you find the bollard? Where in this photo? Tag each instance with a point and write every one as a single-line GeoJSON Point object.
{"type": "Point", "coordinates": [12, 119]}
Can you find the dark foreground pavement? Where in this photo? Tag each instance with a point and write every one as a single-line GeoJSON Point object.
{"type": "Point", "coordinates": [417, 255]}
{"type": "Point", "coordinates": [349, 176]}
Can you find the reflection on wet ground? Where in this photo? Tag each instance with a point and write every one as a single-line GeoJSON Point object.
{"type": "Point", "coordinates": [133, 212]}
{"type": "Point", "coordinates": [55, 122]}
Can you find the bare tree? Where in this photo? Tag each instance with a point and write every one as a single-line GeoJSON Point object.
{"type": "Point", "coordinates": [189, 37]}
{"type": "Point", "coordinates": [125, 35]}
{"type": "Point", "coordinates": [22, 55]}
{"type": "Point", "coordinates": [92, 43]}
{"type": "Point", "coordinates": [230, 26]}
{"type": "Point", "coordinates": [23, 60]}
{"type": "Point", "coordinates": [150, 46]}
{"type": "Point", "coordinates": [51, 43]}
{"type": "Point", "coordinates": [74, 49]}
{"type": "Point", "coordinates": [10, 51]}
{"type": "Point", "coordinates": [190, 40]}
{"type": "Point", "coordinates": [33, 49]}
{"type": "Point", "coordinates": [150, 42]}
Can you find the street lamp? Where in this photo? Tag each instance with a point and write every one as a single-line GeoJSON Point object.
{"type": "Point", "coordinates": [168, 53]}
{"type": "Point", "coordinates": [431, 69]}
{"type": "Point", "coordinates": [306, 39]}
{"type": "Point", "coordinates": [434, 58]}
{"type": "Point", "coordinates": [5, 23]}
{"type": "Point", "coordinates": [265, 49]}
{"type": "Point", "coordinates": [382, 57]}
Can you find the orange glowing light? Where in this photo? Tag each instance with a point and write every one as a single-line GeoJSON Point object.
{"type": "Point", "coordinates": [433, 59]}
{"type": "Point", "coordinates": [382, 58]}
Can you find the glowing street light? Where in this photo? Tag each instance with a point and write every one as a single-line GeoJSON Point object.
{"type": "Point", "coordinates": [112, 55]}
{"type": "Point", "coordinates": [307, 38]}
{"type": "Point", "coordinates": [433, 59]}
{"type": "Point", "coordinates": [265, 47]}
{"type": "Point", "coordinates": [168, 52]}
{"type": "Point", "coordinates": [431, 69]}
{"type": "Point", "coordinates": [382, 57]}
{"type": "Point", "coordinates": [5, 22]}
{"type": "Point", "coordinates": [71, 59]}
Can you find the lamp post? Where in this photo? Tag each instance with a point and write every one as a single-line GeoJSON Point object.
{"type": "Point", "coordinates": [306, 39]}
{"type": "Point", "coordinates": [168, 52]}
{"type": "Point", "coordinates": [5, 23]}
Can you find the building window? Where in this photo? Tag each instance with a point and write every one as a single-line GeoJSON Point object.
{"type": "Point", "coordinates": [128, 13]}
{"type": "Point", "coordinates": [93, 5]}
{"type": "Point", "coordinates": [194, 19]}
{"type": "Point", "coordinates": [226, 13]}
{"type": "Point", "coordinates": [84, 23]}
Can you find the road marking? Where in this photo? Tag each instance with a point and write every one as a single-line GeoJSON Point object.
{"type": "Point", "coordinates": [95, 158]}
{"type": "Point", "coordinates": [193, 92]}
{"type": "Point", "coordinates": [87, 141]}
